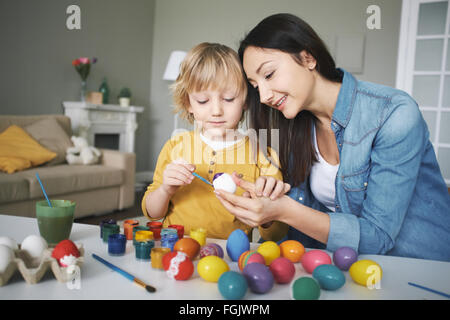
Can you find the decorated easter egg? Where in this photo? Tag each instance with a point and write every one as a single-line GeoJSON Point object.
{"type": "Point", "coordinates": [366, 272]}
{"type": "Point", "coordinates": [305, 288]}
{"type": "Point", "coordinates": [210, 268]}
{"type": "Point", "coordinates": [232, 285]}
{"type": "Point", "coordinates": [250, 256]}
{"type": "Point", "coordinates": [259, 278]}
{"type": "Point", "coordinates": [189, 246]}
{"type": "Point", "coordinates": [224, 181]}
{"type": "Point", "coordinates": [283, 270]}
{"type": "Point", "coordinates": [269, 250]}
{"type": "Point", "coordinates": [292, 250]}
{"type": "Point", "coordinates": [344, 257]}
{"type": "Point", "coordinates": [211, 249]}
{"type": "Point", "coordinates": [329, 276]}
{"type": "Point", "coordinates": [237, 243]}
{"type": "Point", "coordinates": [34, 245]}
{"type": "Point", "coordinates": [178, 266]}
{"type": "Point", "coordinates": [6, 256]}
{"type": "Point", "coordinates": [9, 242]}
{"type": "Point", "coordinates": [314, 258]}
{"type": "Point", "coordinates": [66, 253]}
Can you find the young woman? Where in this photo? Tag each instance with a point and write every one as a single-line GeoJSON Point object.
{"type": "Point", "coordinates": [357, 154]}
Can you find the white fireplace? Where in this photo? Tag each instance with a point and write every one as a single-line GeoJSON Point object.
{"type": "Point", "coordinates": [104, 126]}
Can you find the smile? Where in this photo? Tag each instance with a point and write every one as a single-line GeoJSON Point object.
{"type": "Point", "coordinates": [280, 102]}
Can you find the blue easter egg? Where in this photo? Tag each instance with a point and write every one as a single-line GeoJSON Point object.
{"type": "Point", "coordinates": [232, 285]}
{"type": "Point", "coordinates": [237, 243]}
{"type": "Point", "coordinates": [329, 277]}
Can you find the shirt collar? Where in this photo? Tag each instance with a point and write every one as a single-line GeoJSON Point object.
{"type": "Point", "coordinates": [345, 100]}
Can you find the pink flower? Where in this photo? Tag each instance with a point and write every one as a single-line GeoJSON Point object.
{"type": "Point", "coordinates": [84, 60]}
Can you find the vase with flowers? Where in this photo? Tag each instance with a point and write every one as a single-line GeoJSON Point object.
{"type": "Point", "coordinates": [83, 66]}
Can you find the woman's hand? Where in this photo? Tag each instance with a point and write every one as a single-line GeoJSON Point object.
{"type": "Point", "coordinates": [176, 174]}
{"type": "Point", "coordinates": [265, 186]}
{"type": "Point", "coordinates": [251, 209]}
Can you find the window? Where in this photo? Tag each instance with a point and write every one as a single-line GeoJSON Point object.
{"type": "Point", "coordinates": [423, 69]}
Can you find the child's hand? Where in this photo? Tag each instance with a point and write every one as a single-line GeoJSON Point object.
{"type": "Point", "coordinates": [177, 174]}
{"type": "Point", "coordinates": [268, 187]}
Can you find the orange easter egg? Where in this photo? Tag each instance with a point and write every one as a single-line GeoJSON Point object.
{"type": "Point", "coordinates": [292, 250]}
{"type": "Point", "coordinates": [189, 246]}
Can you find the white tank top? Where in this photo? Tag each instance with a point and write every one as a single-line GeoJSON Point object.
{"type": "Point", "coordinates": [322, 179]}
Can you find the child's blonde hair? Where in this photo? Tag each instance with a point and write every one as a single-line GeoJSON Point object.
{"type": "Point", "coordinates": [207, 66]}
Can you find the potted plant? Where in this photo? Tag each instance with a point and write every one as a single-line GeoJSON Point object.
{"type": "Point", "coordinates": [124, 97]}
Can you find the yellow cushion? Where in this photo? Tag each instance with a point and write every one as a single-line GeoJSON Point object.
{"type": "Point", "coordinates": [19, 151]}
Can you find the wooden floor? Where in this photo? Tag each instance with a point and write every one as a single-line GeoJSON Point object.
{"type": "Point", "coordinates": [116, 215]}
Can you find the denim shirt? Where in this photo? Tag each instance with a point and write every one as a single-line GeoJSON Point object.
{"type": "Point", "coordinates": [390, 197]}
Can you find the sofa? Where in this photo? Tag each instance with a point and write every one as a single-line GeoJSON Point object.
{"type": "Point", "coordinates": [98, 188]}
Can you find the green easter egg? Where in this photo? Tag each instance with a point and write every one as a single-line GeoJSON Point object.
{"type": "Point", "coordinates": [305, 288]}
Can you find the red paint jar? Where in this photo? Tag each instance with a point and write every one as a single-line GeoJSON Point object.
{"type": "Point", "coordinates": [180, 230]}
{"type": "Point", "coordinates": [155, 227]}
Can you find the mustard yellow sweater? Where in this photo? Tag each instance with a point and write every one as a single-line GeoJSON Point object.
{"type": "Point", "coordinates": [195, 205]}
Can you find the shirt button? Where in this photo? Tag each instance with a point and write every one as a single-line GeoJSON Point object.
{"type": "Point", "coordinates": [301, 198]}
{"type": "Point", "coordinates": [210, 171]}
{"type": "Point", "coordinates": [213, 153]}
{"type": "Point", "coordinates": [365, 184]}
{"type": "Point", "coordinates": [211, 163]}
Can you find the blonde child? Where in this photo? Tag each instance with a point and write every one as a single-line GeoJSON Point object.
{"type": "Point", "coordinates": [210, 92]}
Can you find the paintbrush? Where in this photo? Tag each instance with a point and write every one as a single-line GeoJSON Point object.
{"type": "Point", "coordinates": [125, 274]}
{"type": "Point", "coordinates": [201, 178]}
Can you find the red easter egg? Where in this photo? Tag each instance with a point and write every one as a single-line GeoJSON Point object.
{"type": "Point", "coordinates": [283, 270]}
{"type": "Point", "coordinates": [65, 248]}
{"type": "Point", "coordinates": [248, 257]}
{"type": "Point", "coordinates": [313, 259]}
{"type": "Point", "coordinates": [178, 266]}
{"type": "Point", "coordinates": [189, 246]}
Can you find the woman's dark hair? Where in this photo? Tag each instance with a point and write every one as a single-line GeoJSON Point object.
{"type": "Point", "coordinates": [289, 34]}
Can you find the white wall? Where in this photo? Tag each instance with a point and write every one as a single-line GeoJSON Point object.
{"type": "Point", "coordinates": [181, 24]}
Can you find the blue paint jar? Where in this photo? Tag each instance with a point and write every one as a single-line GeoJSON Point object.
{"type": "Point", "coordinates": [143, 249]}
{"type": "Point", "coordinates": [116, 244]}
{"type": "Point", "coordinates": [168, 240]}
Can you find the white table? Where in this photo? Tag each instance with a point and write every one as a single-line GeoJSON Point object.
{"type": "Point", "coordinates": [99, 282]}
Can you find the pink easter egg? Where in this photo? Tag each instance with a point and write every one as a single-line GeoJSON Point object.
{"type": "Point", "coordinates": [313, 259]}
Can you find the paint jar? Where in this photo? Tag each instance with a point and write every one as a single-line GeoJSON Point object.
{"type": "Point", "coordinates": [116, 244]}
{"type": "Point", "coordinates": [138, 228]}
{"type": "Point", "coordinates": [157, 255]}
{"type": "Point", "coordinates": [179, 228]}
{"type": "Point", "coordinates": [142, 236]}
{"type": "Point", "coordinates": [143, 249]}
{"type": "Point", "coordinates": [168, 231]}
{"type": "Point", "coordinates": [155, 227]}
{"type": "Point", "coordinates": [103, 222]}
{"type": "Point", "coordinates": [168, 240]}
{"type": "Point", "coordinates": [109, 229]}
{"type": "Point", "coordinates": [128, 226]}
{"type": "Point", "coordinates": [199, 234]}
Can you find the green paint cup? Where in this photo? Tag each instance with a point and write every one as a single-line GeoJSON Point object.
{"type": "Point", "coordinates": [55, 223]}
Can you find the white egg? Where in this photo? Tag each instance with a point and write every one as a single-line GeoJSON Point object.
{"type": "Point", "coordinates": [34, 245]}
{"type": "Point", "coordinates": [224, 182]}
{"type": "Point", "coordinates": [9, 242]}
{"type": "Point", "coordinates": [6, 256]}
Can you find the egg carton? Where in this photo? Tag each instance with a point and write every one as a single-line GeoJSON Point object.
{"type": "Point", "coordinates": [33, 269]}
